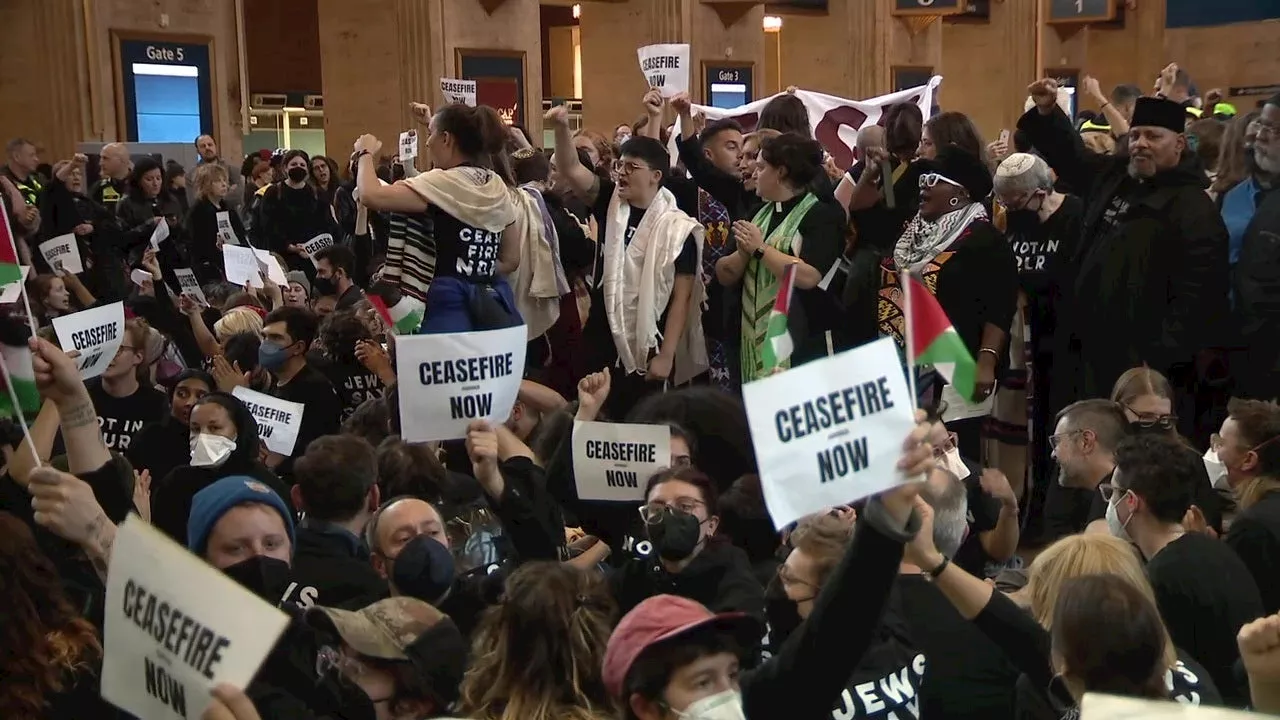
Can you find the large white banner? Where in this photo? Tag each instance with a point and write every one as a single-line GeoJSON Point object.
{"type": "Point", "coordinates": [835, 121]}
{"type": "Point", "coordinates": [176, 626]}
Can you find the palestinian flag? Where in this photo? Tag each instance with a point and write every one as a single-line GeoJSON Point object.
{"type": "Point", "coordinates": [9, 269]}
{"type": "Point", "coordinates": [777, 340]}
{"type": "Point", "coordinates": [404, 317]}
{"type": "Point", "coordinates": [933, 341]}
{"type": "Point", "coordinates": [18, 375]}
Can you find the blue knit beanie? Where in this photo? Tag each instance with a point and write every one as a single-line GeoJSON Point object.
{"type": "Point", "coordinates": [210, 504]}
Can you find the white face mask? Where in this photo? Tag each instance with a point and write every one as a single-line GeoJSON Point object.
{"type": "Point", "coordinates": [1114, 525]}
{"type": "Point", "coordinates": [951, 461]}
{"type": "Point", "coordinates": [1217, 470]}
{"type": "Point", "coordinates": [209, 450]}
{"type": "Point", "coordinates": [721, 706]}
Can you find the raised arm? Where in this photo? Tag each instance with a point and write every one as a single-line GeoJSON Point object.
{"type": "Point", "coordinates": [373, 194]}
{"type": "Point", "coordinates": [1051, 133]}
{"type": "Point", "coordinates": [584, 183]}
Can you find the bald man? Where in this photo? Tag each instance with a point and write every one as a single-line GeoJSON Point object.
{"type": "Point", "coordinates": [114, 166]}
{"type": "Point", "coordinates": [871, 136]}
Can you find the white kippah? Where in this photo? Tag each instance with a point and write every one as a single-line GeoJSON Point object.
{"type": "Point", "coordinates": [1015, 165]}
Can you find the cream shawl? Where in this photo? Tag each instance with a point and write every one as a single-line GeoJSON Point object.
{"type": "Point", "coordinates": [638, 280]}
{"type": "Point", "coordinates": [538, 282]}
{"type": "Point", "coordinates": [475, 196]}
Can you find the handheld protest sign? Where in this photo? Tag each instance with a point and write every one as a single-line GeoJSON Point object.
{"type": "Point", "coordinates": [458, 91]}
{"type": "Point", "coordinates": [614, 461]}
{"type": "Point", "coordinates": [666, 68]}
{"type": "Point", "coordinates": [96, 334]}
{"type": "Point", "coordinates": [190, 285]}
{"type": "Point", "coordinates": [12, 292]}
{"type": "Point", "coordinates": [140, 277]}
{"type": "Point", "coordinates": [160, 233]}
{"type": "Point", "coordinates": [176, 627]}
{"type": "Point", "coordinates": [1097, 706]}
{"type": "Point", "coordinates": [315, 245]}
{"type": "Point", "coordinates": [226, 233]}
{"type": "Point", "coordinates": [447, 381]}
{"type": "Point", "coordinates": [63, 251]}
{"type": "Point", "coordinates": [830, 432]}
{"type": "Point", "coordinates": [278, 420]}
{"type": "Point", "coordinates": [408, 146]}
{"type": "Point", "coordinates": [270, 268]}
{"type": "Point", "coordinates": [240, 266]}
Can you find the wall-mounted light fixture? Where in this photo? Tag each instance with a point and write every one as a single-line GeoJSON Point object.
{"type": "Point", "coordinates": [577, 11]}
{"type": "Point", "coordinates": [772, 24]}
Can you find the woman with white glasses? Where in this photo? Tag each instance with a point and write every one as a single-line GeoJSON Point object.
{"type": "Point", "coordinates": [953, 249]}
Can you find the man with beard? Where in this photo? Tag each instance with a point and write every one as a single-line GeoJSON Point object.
{"type": "Point", "coordinates": [1084, 442]}
{"type": "Point", "coordinates": [1251, 211]}
{"type": "Point", "coordinates": [1150, 278]}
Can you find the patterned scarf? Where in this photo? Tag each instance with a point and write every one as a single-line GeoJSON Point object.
{"type": "Point", "coordinates": [922, 240]}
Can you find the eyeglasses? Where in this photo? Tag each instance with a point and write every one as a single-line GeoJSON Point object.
{"type": "Point", "coordinates": [1151, 420]}
{"type": "Point", "coordinates": [1056, 440]}
{"type": "Point", "coordinates": [1264, 127]}
{"type": "Point", "coordinates": [1110, 492]}
{"type": "Point", "coordinates": [929, 180]}
{"type": "Point", "coordinates": [653, 513]}
{"type": "Point", "coordinates": [626, 168]}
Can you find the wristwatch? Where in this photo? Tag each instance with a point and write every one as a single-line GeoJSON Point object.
{"type": "Point", "coordinates": [759, 253]}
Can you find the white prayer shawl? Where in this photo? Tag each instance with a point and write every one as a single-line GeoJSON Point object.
{"type": "Point", "coordinates": [534, 282]}
{"type": "Point", "coordinates": [638, 280]}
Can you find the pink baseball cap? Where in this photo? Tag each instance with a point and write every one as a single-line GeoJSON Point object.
{"type": "Point", "coordinates": [661, 618]}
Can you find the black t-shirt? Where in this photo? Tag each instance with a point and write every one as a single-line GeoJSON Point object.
{"type": "Point", "coordinates": [464, 251]}
{"type": "Point", "coordinates": [1205, 593]}
{"type": "Point", "coordinates": [352, 381]}
{"type": "Point", "coordinates": [323, 410]}
{"type": "Point", "coordinates": [1255, 536]}
{"type": "Point", "coordinates": [966, 675]}
{"type": "Point", "coordinates": [122, 418]}
{"type": "Point", "coordinates": [1043, 251]}
{"type": "Point", "coordinates": [879, 226]}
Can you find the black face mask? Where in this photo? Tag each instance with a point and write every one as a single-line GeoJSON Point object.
{"type": "Point", "coordinates": [424, 569]}
{"type": "Point", "coordinates": [675, 536]}
{"type": "Point", "coordinates": [297, 174]}
{"type": "Point", "coordinates": [266, 577]}
{"type": "Point", "coordinates": [325, 286]}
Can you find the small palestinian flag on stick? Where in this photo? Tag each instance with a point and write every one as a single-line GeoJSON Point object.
{"type": "Point", "coordinates": [778, 344]}
{"type": "Point", "coordinates": [404, 317]}
{"type": "Point", "coordinates": [932, 340]}
{"type": "Point", "coordinates": [19, 397]}
{"type": "Point", "coordinates": [10, 271]}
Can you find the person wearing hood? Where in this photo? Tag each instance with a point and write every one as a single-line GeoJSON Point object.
{"type": "Point", "coordinates": [223, 441]}
{"type": "Point", "coordinates": [1149, 282]}
{"type": "Point", "coordinates": [687, 559]}
{"type": "Point", "coordinates": [462, 207]}
{"type": "Point", "coordinates": [163, 445]}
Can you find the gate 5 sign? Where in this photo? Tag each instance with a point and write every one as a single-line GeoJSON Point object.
{"type": "Point", "coordinates": [1078, 11]}
{"type": "Point", "coordinates": [929, 7]}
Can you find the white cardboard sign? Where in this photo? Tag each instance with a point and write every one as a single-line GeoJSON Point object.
{"type": "Point", "coordinates": [614, 461]}
{"type": "Point", "coordinates": [160, 233]}
{"type": "Point", "coordinates": [13, 291]}
{"type": "Point", "coordinates": [241, 266]}
{"type": "Point", "coordinates": [140, 276]}
{"type": "Point", "coordinates": [226, 232]}
{"type": "Point", "coordinates": [408, 146]}
{"type": "Point", "coordinates": [1097, 706]}
{"type": "Point", "coordinates": [315, 245]}
{"type": "Point", "coordinates": [63, 254]}
{"type": "Point", "coordinates": [176, 627]}
{"type": "Point", "coordinates": [278, 420]}
{"type": "Point", "coordinates": [448, 381]}
{"type": "Point", "coordinates": [190, 285]}
{"type": "Point", "coordinates": [269, 266]}
{"type": "Point", "coordinates": [458, 91]}
{"type": "Point", "coordinates": [830, 432]}
{"type": "Point", "coordinates": [96, 333]}
{"type": "Point", "coordinates": [666, 67]}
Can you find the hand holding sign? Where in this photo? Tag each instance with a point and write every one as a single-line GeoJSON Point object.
{"type": "Point", "coordinates": [160, 233]}
{"type": "Point", "coordinates": [230, 703]}
{"type": "Point", "coordinates": [278, 420]}
{"type": "Point", "coordinates": [65, 505]}
{"type": "Point", "coordinates": [666, 67]}
{"type": "Point", "coordinates": [482, 449]}
{"type": "Point", "coordinates": [96, 334]}
{"type": "Point", "coordinates": [408, 146]}
{"type": "Point", "coordinates": [63, 251]}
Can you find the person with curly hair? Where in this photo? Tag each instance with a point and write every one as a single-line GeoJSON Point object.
{"type": "Point", "coordinates": [50, 656]}
{"type": "Point", "coordinates": [539, 655]}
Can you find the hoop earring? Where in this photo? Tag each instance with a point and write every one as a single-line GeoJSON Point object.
{"type": "Point", "coordinates": [954, 201]}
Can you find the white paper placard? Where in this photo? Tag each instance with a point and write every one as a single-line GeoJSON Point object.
{"type": "Point", "coordinates": [176, 627]}
{"type": "Point", "coordinates": [278, 420]}
{"type": "Point", "coordinates": [315, 245]}
{"type": "Point", "coordinates": [190, 285]}
{"type": "Point", "coordinates": [614, 461]}
{"type": "Point", "coordinates": [140, 276]}
{"type": "Point", "coordinates": [408, 146]}
{"type": "Point", "coordinates": [666, 67]}
{"type": "Point", "coordinates": [241, 266]}
{"type": "Point", "coordinates": [458, 91]}
{"type": "Point", "coordinates": [63, 253]}
{"type": "Point", "coordinates": [160, 233]}
{"type": "Point", "coordinates": [226, 232]}
{"type": "Point", "coordinates": [13, 291]}
{"type": "Point", "coordinates": [448, 381]}
{"type": "Point", "coordinates": [830, 432]}
{"type": "Point", "coordinates": [1097, 706]}
{"type": "Point", "coordinates": [272, 269]}
{"type": "Point", "coordinates": [96, 333]}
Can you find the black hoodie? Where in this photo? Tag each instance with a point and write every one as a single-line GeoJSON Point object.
{"type": "Point", "coordinates": [331, 568]}
{"type": "Point", "coordinates": [719, 577]}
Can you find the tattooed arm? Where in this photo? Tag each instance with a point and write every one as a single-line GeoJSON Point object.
{"type": "Point", "coordinates": [101, 537]}
{"type": "Point", "coordinates": [81, 434]}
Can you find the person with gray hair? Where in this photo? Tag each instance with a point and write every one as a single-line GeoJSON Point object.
{"type": "Point", "coordinates": [949, 498]}
{"type": "Point", "coordinates": [1042, 226]}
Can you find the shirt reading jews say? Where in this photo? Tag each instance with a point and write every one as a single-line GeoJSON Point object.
{"type": "Point", "coordinates": [122, 418]}
{"type": "Point", "coordinates": [448, 381]}
{"type": "Point", "coordinates": [830, 432]}
{"type": "Point", "coordinates": [175, 627]}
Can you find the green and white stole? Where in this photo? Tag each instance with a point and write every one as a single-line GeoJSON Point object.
{"type": "Point", "coordinates": [760, 286]}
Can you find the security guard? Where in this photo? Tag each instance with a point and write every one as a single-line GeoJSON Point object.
{"type": "Point", "coordinates": [114, 165]}
{"type": "Point", "coordinates": [21, 170]}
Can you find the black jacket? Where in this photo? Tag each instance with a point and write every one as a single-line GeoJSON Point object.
{"type": "Point", "coordinates": [160, 447]}
{"type": "Point", "coordinates": [292, 217]}
{"type": "Point", "coordinates": [719, 577]}
{"type": "Point", "coordinates": [331, 568]}
{"type": "Point", "coordinates": [1149, 278]}
{"type": "Point", "coordinates": [202, 231]}
{"type": "Point", "coordinates": [136, 214]}
{"type": "Point", "coordinates": [171, 496]}
{"type": "Point", "coordinates": [61, 210]}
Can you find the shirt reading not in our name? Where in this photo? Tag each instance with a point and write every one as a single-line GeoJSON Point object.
{"type": "Point", "coordinates": [122, 418]}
